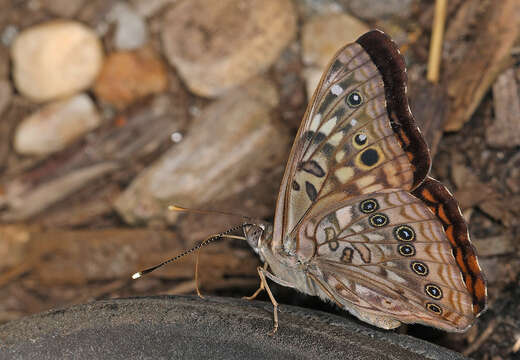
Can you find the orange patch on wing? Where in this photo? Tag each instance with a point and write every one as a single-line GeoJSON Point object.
{"type": "Point", "coordinates": [469, 283]}
{"type": "Point", "coordinates": [480, 288]}
{"type": "Point", "coordinates": [442, 215]}
{"type": "Point", "coordinates": [449, 235]}
{"type": "Point", "coordinates": [428, 195]}
{"type": "Point", "coordinates": [404, 137]}
{"type": "Point", "coordinates": [473, 264]}
{"type": "Point", "coordinates": [460, 261]}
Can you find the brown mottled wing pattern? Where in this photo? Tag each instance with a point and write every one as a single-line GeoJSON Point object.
{"type": "Point", "coordinates": [358, 135]}
{"type": "Point", "coordinates": [389, 254]}
{"type": "Point", "coordinates": [354, 204]}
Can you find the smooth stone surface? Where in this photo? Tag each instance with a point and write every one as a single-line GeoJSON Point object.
{"type": "Point", "coordinates": [129, 75]}
{"type": "Point", "coordinates": [131, 31]}
{"type": "Point", "coordinates": [55, 59]}
{"type": "Point", "coordinates": [226, 148]}
{"type": "Point", "coordinates": [182, 327]}
{"type": "Point", "coordinates": [322, 37]}
{"type": "Point", "coordinates": [56, 125]}
{"type": "Point", "coordinates": [217, 45]}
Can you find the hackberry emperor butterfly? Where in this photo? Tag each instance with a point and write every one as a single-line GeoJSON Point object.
{"type": "Point", "coordinates": [358, 221]}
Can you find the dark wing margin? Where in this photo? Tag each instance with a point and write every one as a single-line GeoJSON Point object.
{"type": "Point", "coordinates": [437, 197]}
{"type": "Point", "coordinates": [388, 60]}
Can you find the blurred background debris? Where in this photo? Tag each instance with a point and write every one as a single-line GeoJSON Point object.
{"type": "Point", "coordinates": [111, 110]}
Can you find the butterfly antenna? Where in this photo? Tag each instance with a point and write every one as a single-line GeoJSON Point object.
{"type": "Point", "coordinates": [189, 251]}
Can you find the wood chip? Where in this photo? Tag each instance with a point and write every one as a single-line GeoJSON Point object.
{"type": "Point", "coordinates": [493, 246]}
{"type": "Point", "coordinates": [471, 74]}
{"type": "Point", "coordinates": [505, 132]}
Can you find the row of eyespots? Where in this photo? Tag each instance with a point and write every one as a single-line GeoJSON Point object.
{"type": "Point", "coordinates": [405, 234]}
{"type": "Point", "coordinates": [368, 157]}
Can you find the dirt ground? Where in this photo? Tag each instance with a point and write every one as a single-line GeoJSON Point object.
{"type": "Point", "coordinates": [78, 220]}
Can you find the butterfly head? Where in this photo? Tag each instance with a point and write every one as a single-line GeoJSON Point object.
{"type": "Point", "coordinates": [258, 235]}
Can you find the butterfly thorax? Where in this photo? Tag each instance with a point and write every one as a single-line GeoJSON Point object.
{"type": "Point", "coordinates": [288, 263]}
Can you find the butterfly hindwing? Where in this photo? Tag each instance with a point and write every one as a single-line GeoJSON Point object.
{"type": "Point", "coordinates": [387, 254]}
{"type": "Point", "coordinates": [440, 201]}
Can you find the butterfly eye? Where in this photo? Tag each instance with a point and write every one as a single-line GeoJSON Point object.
{"type": "Point", "coordinates": [433, 291]}
{"type": "Point", "coordinates": [368, 206]}
{"type": "Point", "coordinates": [404, 233]}
{"type": "Point", "coordinates": [434, 308]}
{"type": "Point", "coordinates": [354, 99]}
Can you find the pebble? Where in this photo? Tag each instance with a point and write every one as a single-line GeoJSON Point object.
{"type": "Point", "coordinates": [377, 9]}
{"type": "Point", "coordinates": [8, 35]}
{"type": "Point", "coordinates": [63, 8]}
{"type": "Point", "coordinates": [230, 144]}
{"type": "Point", "coordinates": [322, 37]}
{"type": "Point", "coordinates": [218, 45]}
{"type": "Point", "coordinates": [55, 59]}
{"type": "Point", "coordinates": [54, 126]}
{"type": "Point", "coordinates": [130, 75]}
{"type": "Point", "coordinates": [131, 31]}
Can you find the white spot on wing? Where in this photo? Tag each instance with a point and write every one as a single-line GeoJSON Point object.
{"type": "Point", "coordinates": [328, 126]}
{"type": "Point", "coordinates": [315, 122]}
{"type": "Point", "coordinates": [336, 89]}
{"type": "Point", "coordinates": [353, 122]}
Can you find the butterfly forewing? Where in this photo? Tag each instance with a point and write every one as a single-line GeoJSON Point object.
{"type": "Point", "coordinates": [348, 142]}
{"type": "Point", "coordinates": [354, 207]}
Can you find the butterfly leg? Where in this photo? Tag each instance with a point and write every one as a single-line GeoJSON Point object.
{"type": "Point", "coordinates": [260, 288]}
{"type": "Point", "coordinates": [261, 273]}
{"type": "Point", "coordinates": [197, 275]}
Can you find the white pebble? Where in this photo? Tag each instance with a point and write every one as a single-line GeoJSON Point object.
{"type": "Point", "coordinates": [55, 59]}
{"type": "Point", "coordinates": [56, 125]}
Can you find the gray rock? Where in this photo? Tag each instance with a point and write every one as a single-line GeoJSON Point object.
{"type": "Point", "coordinates": [182, 327]}
{"type": "Point", "coordinates": [228, 145]}
{"type": "Point", "coordinates": [217, 45]}
{"type": "Point", "coordinates": [131, 31]}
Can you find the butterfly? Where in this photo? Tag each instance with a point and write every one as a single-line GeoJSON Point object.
{"type": "Point", "coordinates": [358, 221]}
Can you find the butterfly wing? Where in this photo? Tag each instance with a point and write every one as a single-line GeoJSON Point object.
{"type": "Point", "coordinates": [358, 141]}
{"type": "Point", "coordinates": [358, 135]}
{"type": "Point", "coordinates": [396, 256]}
